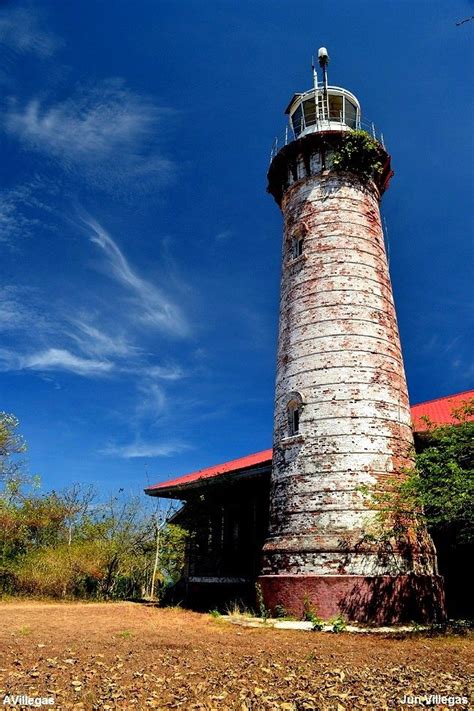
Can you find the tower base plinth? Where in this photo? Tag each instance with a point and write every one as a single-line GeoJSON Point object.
{"type": "Point", "coordinates": [378, 599]}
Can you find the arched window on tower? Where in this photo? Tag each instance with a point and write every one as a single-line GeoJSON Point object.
{"type": "Point", "coordinates": [297, 237]}
{"type": "Point", "coordinates": [297, 246]}
{"type": "Point", "coordinates": [294, 408]}
{"type": "Point", "coordinates": [293, 418]}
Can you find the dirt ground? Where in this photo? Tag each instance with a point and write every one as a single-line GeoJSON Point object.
{"type": "Point", "coordinates": [129, 656]}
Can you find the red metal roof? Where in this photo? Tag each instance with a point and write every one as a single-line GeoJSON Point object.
{"type": "Point", "coordinates": [248, 462]}
{"type": "Point", "coordinates": [438, 411]}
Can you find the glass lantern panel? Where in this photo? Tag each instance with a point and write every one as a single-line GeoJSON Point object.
{"type": "Point", "coordinates": [297, 121]}
{"type": "Point", "coordinates": [335, 108]}
{"type": "Point", "coordinates": [351, 114]}
{"type": "Point", "coordinates": [309, 108]}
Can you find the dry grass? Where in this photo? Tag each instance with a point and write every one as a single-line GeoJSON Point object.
{"type": "Point", "coordinates": [127, 656]}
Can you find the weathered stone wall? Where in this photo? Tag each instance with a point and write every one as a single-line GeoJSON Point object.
{"type": "Point", "coordinates": [339, 352]}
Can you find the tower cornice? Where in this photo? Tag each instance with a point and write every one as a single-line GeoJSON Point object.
{"type": "Point", "coordinates": [313, 154]}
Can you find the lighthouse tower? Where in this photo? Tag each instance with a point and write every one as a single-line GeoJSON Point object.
{"type": "Point", "coordinates": [342, 423]}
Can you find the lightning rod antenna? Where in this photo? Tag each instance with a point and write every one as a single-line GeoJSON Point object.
{"type": "Point", "coordinates": [315, 74]}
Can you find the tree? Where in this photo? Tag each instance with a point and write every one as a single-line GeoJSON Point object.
{"type": "Point", "coordinates": [11, 444]}
{"type": "Point", "coordinates": [443, 481]}
{"type": "Point", "coordinates": [169, 547]}
{"type": "Point", "coordinates": [437, 495]}
{"type": "Point", "coordinates": [67, 543]}
{"type": "Point", "coordinates": [439, 492]}
{"type": "Point", "coordinates": [444, 484]}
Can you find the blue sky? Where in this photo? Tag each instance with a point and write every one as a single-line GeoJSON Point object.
{"type": "Point", "coordinates": [140, 252]}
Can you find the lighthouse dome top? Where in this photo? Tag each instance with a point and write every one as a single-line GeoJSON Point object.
{"type": "Point", "coordinates": [329, 108]}
{"type": "Point", "coordinates": [323, 108]}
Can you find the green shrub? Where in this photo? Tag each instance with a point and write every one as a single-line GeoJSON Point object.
{"type": "Point", "coordinates": [338, 623]}
{"type": "Point", "coordinates": [358, 153]}
{"type": "Point", "coordinates": [262, 610]}
{"type": "Point", "coordinates": [280, 612]}
{"type": "Point", "coordinates": [309, 614]}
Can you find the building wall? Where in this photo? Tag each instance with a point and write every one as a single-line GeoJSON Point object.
{"type": "Point", "coordinates": [210, 567]}
{"type": "Point", "coordinates": [228, 524]}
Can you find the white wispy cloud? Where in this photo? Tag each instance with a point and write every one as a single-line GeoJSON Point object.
{"type": "Point", "coordinates": [15, 222]}
{"type": "Point", "coordinates": [100, 336]}
{"type": "Point", "coordinates": [138, 450]}
{"type": "Point", "coordinates": [49, 340]}
{"type": "Point", "coordinates": [153, 308]}
{"type": "Point", "coordinates": [25, 319]}
{"type": "Point", "coordinates": [97, 342]}
{"type": "Point", "coordinates": [223, 235]}
{"type": "Point", "coordinates": [151, 402]}
{"type": "Point", "coordinates": [57, 359]}
{"type": "Point", "coordinates": [61, 359]}
{"type": "Point", "coordinates": [163, 372]}
{"type": "Point", "coordinates": [14, 315]}
{"type": "Point", "coordinates": [26, 207]}
{"type": "Point", "coordinates": [107, 133]}
{"type": "Point", "coordinates": [22, 30]}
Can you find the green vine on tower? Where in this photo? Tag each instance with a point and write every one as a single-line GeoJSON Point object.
{"type": "Point", "coordinates": [359, 153]}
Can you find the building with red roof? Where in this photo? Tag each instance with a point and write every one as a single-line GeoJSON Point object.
{"type": "Point", "coordinates": [226, 508]}
{"type": "Point", "coordinates": [440, 411]}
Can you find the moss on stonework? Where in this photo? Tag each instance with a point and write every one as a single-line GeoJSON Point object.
{"type": "Point", "coordinates": [358, 153]}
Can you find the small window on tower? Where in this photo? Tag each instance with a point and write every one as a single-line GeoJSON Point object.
{"type": "Point", "coordinates": [297, 247]}
{"type": "Point", "coordinates": [293, 418]}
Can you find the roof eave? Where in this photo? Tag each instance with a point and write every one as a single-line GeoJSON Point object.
{"type": "Point", "coordinates": [180, 491]}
